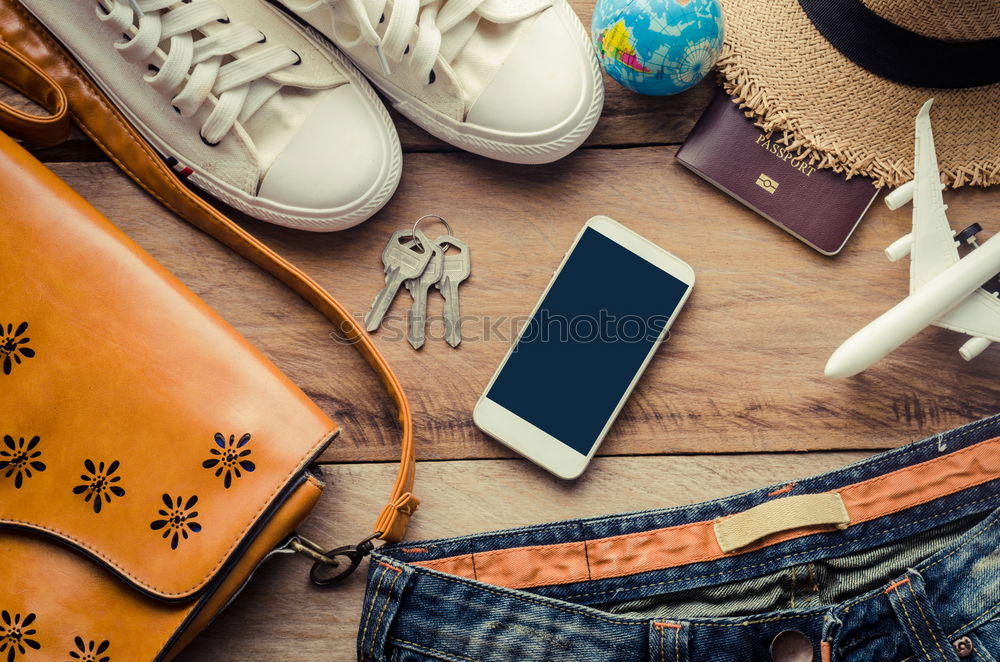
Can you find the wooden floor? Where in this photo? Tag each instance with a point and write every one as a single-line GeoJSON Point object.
{"type": "Point", "coordinates": [731, 403]}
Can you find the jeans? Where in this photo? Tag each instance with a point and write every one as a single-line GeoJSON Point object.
{"type": "Point", "coordinates": [914, 575]}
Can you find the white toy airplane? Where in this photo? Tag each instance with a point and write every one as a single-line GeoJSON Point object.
{"type": "Point", "coordinates": [944, 290]}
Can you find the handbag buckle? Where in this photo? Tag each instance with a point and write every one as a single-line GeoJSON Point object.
{"type": "Point", "coordinates": [324, 562]}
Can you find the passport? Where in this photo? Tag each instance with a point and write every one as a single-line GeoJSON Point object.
{"type": "Point", "coordinates": [820, 207]}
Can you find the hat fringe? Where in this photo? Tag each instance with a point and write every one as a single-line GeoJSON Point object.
{"type": "Point", "coordinates": [745, 89]}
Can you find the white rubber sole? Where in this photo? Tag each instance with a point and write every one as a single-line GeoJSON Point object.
{"type": "Point", "coordinates": [535, 148]}
{"type": "Point", "coordinates": [312, 220]}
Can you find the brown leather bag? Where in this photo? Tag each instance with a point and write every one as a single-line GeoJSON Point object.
{"type": "Point", "coordinates": [150, 457]}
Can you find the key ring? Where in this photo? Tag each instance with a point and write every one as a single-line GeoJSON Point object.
{"type": "Point", "coordinates": [447, 225]}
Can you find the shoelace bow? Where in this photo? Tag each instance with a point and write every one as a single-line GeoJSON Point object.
{"type": "Point", "coordinates": [432, 19]}
{"type": "Point", "coordinates": [195, 69]}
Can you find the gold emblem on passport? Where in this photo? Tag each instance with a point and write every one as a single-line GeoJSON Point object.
{"type": "Point", "coordinates": [767, 183]}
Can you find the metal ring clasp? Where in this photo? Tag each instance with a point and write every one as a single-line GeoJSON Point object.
{"type": "Point", "coordinates": [447, 225]}
{"type": "Point", "coordinates": [327, 561]}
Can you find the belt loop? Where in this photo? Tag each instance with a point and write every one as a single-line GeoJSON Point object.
{"type": "Point", "coordinates": [832, 625]}
{"type": "Point", "coordinates": [383, 597]}
{"type": "Point", "coordinates": [918, 619]}
{"type": "Point", "coordinates": [668, 641]}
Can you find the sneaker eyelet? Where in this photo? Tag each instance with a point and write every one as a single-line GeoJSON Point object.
{"type": "Point", "coordinates": [206, 142]}
{"type": "Point", "coordinates": [153, 69]}
{"type": "Point", "coordinates": [224, 21]}
{"type": "Point", "coordinates": [406, 50]}
{"type": "Point", "coordinates": [298, 58]}
{"type": "Point", "coordinates": [431, 78]}
{"type": "Point", "coordinates": [382, 19]}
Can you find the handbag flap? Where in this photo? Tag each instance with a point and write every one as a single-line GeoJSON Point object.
{"type": "Point", "coordinates": [137, 426]}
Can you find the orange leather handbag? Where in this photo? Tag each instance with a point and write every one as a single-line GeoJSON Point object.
{"type": "Point", "coordinates": [150, 457]}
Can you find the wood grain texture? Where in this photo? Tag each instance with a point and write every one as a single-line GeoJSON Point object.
{"type": "Point", "coordinates": [280, 616]}
{"type": "Point", "coordinates": [742, 373]}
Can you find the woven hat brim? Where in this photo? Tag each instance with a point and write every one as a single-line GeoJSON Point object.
{"type": "Point", "coordinates": [837, 115]}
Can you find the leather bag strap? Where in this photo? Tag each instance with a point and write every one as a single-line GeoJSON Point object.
{"type": "Point", "coordinates": [27, 78]}
{"type": "Point", "coordinates": [32, 62]}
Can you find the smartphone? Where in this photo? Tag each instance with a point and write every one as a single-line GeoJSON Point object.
{"type": "Point", "coordinates": [593, 332]}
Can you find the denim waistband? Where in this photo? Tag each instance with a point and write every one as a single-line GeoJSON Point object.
{"type": "Point", "coordinates": [421, 613]}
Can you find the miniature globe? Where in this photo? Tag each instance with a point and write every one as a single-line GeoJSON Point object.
{"type": "Point", "coordinates": [658, 47]}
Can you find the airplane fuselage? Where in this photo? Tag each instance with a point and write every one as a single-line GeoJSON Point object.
{"type": "Point", "coordinates": [911, 315]}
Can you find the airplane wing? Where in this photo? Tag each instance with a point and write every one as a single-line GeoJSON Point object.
{"type": "Point", "coordinates": [978, 315]}
{"type": "Point", "coordinates": [934, 248]}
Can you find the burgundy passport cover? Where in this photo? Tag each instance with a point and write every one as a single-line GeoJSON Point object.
{"type": "Point", "coordinates": [820, 207]}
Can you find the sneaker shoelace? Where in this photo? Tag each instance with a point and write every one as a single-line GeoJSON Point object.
{"type": "Point", "coordinates": [442, 27]}
{"type": "Point", "coordinates": [207, 57]}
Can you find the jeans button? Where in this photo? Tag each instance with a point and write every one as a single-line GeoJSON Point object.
{"type": "Point", "coordinates": [791, 646]}
{"type": "Point", "coordinates": [963, 646]}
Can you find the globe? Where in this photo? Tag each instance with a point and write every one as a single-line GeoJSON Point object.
{"type": "Point", "coordinates": [658, 47]}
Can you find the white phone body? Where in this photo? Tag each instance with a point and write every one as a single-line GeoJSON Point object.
{"type": "Point", "coordinates": [502, 413]}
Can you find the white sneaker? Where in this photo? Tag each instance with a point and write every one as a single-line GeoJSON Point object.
{"type": "Point", "coordinates": [514, 80]}
{"type": "Point", "coordinates": [238, 99]}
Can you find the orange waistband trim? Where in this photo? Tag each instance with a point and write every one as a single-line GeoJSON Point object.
{"type": "Point", "coordinates": [618, 556]}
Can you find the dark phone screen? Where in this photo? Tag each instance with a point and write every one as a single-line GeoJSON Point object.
{"type": "Point", "coordinates": [580, 351]}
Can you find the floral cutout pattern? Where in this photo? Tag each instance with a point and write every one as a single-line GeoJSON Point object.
{"type": "Point", "coordinates": [19, 459]}
{"type": "Point", "coordinates": [16, 634]}
{"type": "Point", "coordinates": [91, 651]}
{"type": "Point", "coordinates": [229, 459]}
{"type": "Point", "coordinates": [13, 347]}
{"type": "Point", "coordinates": [178, 519]}
{"type": "Point", "coordinates": [99, 484]}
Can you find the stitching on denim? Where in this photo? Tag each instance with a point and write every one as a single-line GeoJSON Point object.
{"type": "Point", "coordinates": [927, 622]}
{"type": "Point", "coordinates": [663, 654]}
{"type": "Point", "coordinates": [851, 605]}
{"type": "Point", "coordinates": [789, 556]}
{"type": "Point", "coordinates": [525, 598]}
{"type": "Point", "coordinates": [385, 604]}
{"type": "Point", "coordinates": [973, 623]}
{"type": "Point", "coordinates": [475, 574]}
{"type": "Point", "coordinates": [745, 623]}
{"type": "Point", "coordinates": [792, 597]}
{"type": "Point", "coordinates": [677, 645]}
{"type": "Point", "coordinates": [895, 585]}
{"type": "Point", "coordinates": [371, 607]}
{"type": "Point", "coordinates": [428, 649]}
{"type": "Point", "coordinates": [913, 628]}
{"type": "Point", "coordinates": [955, 551]}
{"type": "Point", "coordinates": [781, 490]}
{"type": "Point", "coordinates": [903, 452]}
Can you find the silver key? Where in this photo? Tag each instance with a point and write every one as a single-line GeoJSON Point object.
{"type": "Point", "coordinates": [401, 262]}
{"type": "Point", "coordinates": [456, 269]}
{"type": "Point", "coordinates": [418, 290]}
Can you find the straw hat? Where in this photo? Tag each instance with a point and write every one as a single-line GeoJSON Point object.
{"type": "Point", "coordinates": [844, 80]}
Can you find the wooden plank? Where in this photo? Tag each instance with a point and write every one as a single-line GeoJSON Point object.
{"type": "Point", "coordinates": [628, 118]}
{"type": "Point", "coordinates": [743, 371]}
{"type": "Point", "coordinates": [280, 616]}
